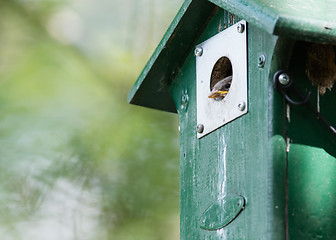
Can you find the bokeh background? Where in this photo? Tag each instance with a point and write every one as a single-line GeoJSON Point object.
{"type": "Point", "coordinates": [77, 161]}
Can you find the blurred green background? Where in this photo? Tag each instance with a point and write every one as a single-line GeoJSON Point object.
{"type": "Point", "coordinates": [77, 161]}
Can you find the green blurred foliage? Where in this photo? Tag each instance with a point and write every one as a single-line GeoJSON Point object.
{"type": "Point", "coordinates": [78, 162]}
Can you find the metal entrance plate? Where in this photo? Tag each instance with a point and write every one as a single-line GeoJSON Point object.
{"type": "Point", "coordinates": [230, 44]}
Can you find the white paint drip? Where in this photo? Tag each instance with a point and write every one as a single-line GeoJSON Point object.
{"type": "Point", "coordinates": [222, 166]}
{"type": "Point", "coordinates": [222, 177]}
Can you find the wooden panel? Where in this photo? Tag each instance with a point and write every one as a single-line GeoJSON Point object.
{"type": "Point", "coordinates": [312, 191]}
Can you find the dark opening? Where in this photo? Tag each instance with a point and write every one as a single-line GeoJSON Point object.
{"type": "Point", "coordinates": [221, 70]}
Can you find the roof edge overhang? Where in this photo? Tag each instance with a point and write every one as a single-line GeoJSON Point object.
{"type": "Point", "coordinates": [152, 86]}
{"type": "Point", "coordinates": [312, 21]}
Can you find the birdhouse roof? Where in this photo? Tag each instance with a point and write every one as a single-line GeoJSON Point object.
{"type": "Point", "coordinates": [309, 20]}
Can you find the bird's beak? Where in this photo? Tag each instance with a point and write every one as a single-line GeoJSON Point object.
{"type": "Point", "coordinates": [217, 94]}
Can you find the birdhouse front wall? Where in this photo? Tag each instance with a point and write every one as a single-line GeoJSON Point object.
{"type": "Point", "coordinates": [244, 158]}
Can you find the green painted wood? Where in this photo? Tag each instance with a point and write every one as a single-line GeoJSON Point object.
{"type": "Point", "coordinates": [247, 157]}
{"type": "Point", "coordinates": [244, 157]}
{"type": "Point", "coordinates": [309, 20]}
{"type": "Point", "coordinates": [151, 88]}
{"type": "Point", "coordinates": [312, 191]}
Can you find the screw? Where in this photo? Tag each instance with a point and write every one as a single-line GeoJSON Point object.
{"type": "Point", "coordinates": [261, 60]}
{"type": "Point", "coordinates": [284, 79]}
{"type": "Point", "coordinates": [240, 28]}
{"type": "Point", "coordinates": [198, 51]}
{"type": "Point", "coordinates": [200, 128]}
{"type": "Point", "coordinates": [241, 106]}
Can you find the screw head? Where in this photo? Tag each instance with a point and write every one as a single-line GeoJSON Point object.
{"type": "Point", "coordinates": [198, 51]}
{"type": "Point", "coordinates": [261, 60]}
{"type": "Point", "coordinates": [200, 128]}
{"type": "Point", "coordinates": [284, 79]}
{"type": "Point", "coordinates": [240, 28]}
{"type": "Point", "coordinates": [241, 106]}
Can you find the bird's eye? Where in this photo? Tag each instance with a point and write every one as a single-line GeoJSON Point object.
{"type": "Point", "coordinates": [228, 85]}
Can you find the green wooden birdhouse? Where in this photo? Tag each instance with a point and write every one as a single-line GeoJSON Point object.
{"type": "Point", "coordinates": [252, 84]}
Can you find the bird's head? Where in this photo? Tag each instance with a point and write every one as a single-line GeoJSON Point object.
{"type": "Point", "coordinates": [221, 88]}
